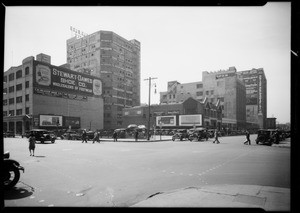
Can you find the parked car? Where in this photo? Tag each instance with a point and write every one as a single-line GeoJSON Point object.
{"type": "Point", "coordinates": [180, 134]}
{"type": "Point", "coordinates": [9, 134]}
{"type": "Point", "coordinates": [266, 136]}
{"type": "Point", "coordinates": [71, 135]}
{"type": "Point", "coordinates": [198, 133]}
{"type": "Point", "coordinates": [42, 135]}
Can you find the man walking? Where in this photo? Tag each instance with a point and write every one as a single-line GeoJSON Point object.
{"type": "Point", "coordinates": [84, 136]}
{"type": "Point", "coordinates": [248, 141]}
{"type": "Point", "coordinates": [216, 137]}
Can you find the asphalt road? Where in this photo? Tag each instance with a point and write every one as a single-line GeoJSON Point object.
{"type": "Point", "coordinates": [70, 173]}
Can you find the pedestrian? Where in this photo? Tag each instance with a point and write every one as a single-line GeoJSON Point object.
{"type": "Point", "coordinates": [98, 136]}
{"type": "Point", "coordinates": [95, 136]}
{"type": "Point", "coordinates": [216, 137]}
{"type": "Point", "coordinates": [115, 136]}
{"type": "Point", "coordinates": [136, 135]}
{"type": "Point", "coordinates": [206, 134]}
{"type": "Point", "coordinates": [84, 136]}
{"type": "Point", "coordinates": [31, 144]}
{"type": "Point", "coordinates": [248, 141]}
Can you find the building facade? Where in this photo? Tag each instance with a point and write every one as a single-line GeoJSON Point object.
{"type": "Point", "coordinates": [37, 94]}
{"type": "Point", "coordinates": [186, 114]}
{"type": "Point", "coordinates": [225, 86]}
{"type": "Point", "coordinates": [117, 62]}
{"type": "Point", "coordinates": [256, 96]}
{"type": "Point", "coordinates": [222, 86]}
{"type": "Point", "coordinates": [178, 93]}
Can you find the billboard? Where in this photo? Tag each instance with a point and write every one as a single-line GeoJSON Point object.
{"type": "Point", "coordinates": [166, 120]}
{"type": "Point", "coordinates": [73, 122]}
{"type": "Point", "coordinates": [60, 79]}
{"type": "Point", "coordinates": [190, 120]}
{"type": "Point", "coordinates": [50, 120]}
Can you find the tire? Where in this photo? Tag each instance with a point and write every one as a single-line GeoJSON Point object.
{"type": "Point", "coordinates": [53, 141]}
{"type": "Point", "coordinates": [13, 182]}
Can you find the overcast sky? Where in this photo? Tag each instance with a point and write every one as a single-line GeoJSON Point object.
{"type": "Point", "coordinates": [177, 43]}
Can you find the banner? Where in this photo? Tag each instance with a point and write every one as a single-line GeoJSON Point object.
{"type": "Point", "coordinates": [190, 120]}
{"type": "Point", "coordinates": [166, 120]}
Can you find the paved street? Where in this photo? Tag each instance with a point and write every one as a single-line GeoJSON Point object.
{"type": "Point", "coordinates": [70, 173]}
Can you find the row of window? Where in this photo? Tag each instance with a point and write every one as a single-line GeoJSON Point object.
{"type": "Point", "coordinates": [19, 99]}
{"type": "Point", "coordinates": [18, 112]}
{"type": "Point", "coordinates": [18, 88]}
{"type": "Point", "coordinates": [19, 74]}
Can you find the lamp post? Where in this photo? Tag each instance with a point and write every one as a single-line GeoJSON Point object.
{"type": "Point", "coordinates": [148, 132]}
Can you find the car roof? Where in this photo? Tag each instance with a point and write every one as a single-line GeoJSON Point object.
{"type": "Point", "coordinates": [37, 130]}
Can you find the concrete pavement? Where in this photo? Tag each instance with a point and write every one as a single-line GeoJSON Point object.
{"type": "Point", "coordinates": [240, 196]}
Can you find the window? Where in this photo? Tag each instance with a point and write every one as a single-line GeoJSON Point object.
{"type": "Point", "coordinates": [27, 97]}
{"type": "Point", "coordinates": [4, 113]}
{"type": "Point", "coordinates": [27, 71]}
{"type": "Point", "coordinates": [19, 87]}
{"type": "Point", "coordinates": [199, 86]}
{"type": "Point", "coordinates": [19, 74]}
{"type": "Point", "coordinates": [11, 89]}
{"type": "Point", "coordinates": [19, 99]}
{"type": "Point", "coordinates": [4, 91]}
{"type": "Point", "coordinates": [11, 101]}
{"type": "Point", "coordinates": [174, 96]}
{"type": "Point", "coordinates": [207, 92]}
{"type": "Point", "coordinates": [170, 96]}
{"type": "Point", "coordinates": [199, 93]}
{"type": "Point", "coordinates": [19, 112]}
{"type": "Point", "coordinates": [27, 110]}
{"type": "Point", "coordinates": [11, 113]}
{"type": "Point", "coordinates": [27, 84]}
{"type": "Point", "coordinates": [11, 77]}
{"type": "Point", "coordinates": [5, 79]}
{"type": "Point", "coordinates": [5, 102]}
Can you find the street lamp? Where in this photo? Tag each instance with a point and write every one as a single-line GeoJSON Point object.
{"type": "Point", "coordinates": [149, 79]}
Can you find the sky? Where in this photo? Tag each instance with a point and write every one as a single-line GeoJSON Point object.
{"type": "Point", "coordinates": [177, 43]}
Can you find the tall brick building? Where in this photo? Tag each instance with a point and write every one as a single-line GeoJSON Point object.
{"type": "Point", "coordinates": [37, 94]}
{"type": "Point", "coordinates": [117, 62]}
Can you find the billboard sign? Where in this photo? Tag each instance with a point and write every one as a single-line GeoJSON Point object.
{"type": "Point", "coordinates": [73, 122]}
{"type": "Point", "coordinates": [166, 120]}
{"type": "Point", "coordinates": [190, 120]}
{"type": "Point", "coordinates": [50, 120]}
{"type": "Point", "coordinates": [60, 79]}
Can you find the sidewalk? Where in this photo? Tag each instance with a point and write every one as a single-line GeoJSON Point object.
{"type": "Point", "coordinates": [152, 139]}
{"type": "Point", "coordinates": [223, 196]}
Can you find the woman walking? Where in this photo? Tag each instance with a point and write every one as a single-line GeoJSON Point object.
{"type": "Point", "coordinates": [31, 144]}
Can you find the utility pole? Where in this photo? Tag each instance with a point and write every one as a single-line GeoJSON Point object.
{"type": "Point", "coordinates": [148, 132]}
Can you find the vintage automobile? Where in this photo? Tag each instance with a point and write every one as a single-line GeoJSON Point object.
{"type": "Point", "coordinates": [180, 134]}
{"type": "Point", "coordinates": [42, 135]}
{"type": "Point", "coordinates": [198, 133]}
{"type": "Point", "coordinates": [8, 134]}
{"type": "Point", "coordinates": [266, 136]}
{"type": "Point", "coordinates": [71, 135]}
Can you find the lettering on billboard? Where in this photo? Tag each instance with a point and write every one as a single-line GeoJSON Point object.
{"type": "Point", "coordinates": [63, 80]}
{"type": "Point", "coordinates": [50, 120]}
{"type": "Point", "coordinates": [166, 121]}
{"type": "Point", "coordinates": [190, 120]}
{"type": "Point", "coordinates": [224, 75]}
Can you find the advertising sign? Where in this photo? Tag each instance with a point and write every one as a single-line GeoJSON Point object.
{"type": "Point", "coordinates": [190, 120]}
{"type": "Point", "coordinates": [50, 120]}
{"type": "Point", "coordinates": [166, 120]}
{"type": "Point", "coordinates": [73, 122]}
{"type": "Point", "coordinates": [64, 80]}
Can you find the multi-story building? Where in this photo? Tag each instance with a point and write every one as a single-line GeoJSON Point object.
{"type": "Point", "coordinates": [256, 95]}
{"type": "Point", "coordinates": [117, 62]}
{"type": "Point", "coordinates": [178, 93]}
{"type": "Point", "coordinates": [187, 114]}
{"type": "Point", "coordinates": [225, 86]}
{"type": "Point", "coordinates": [37, 94]}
